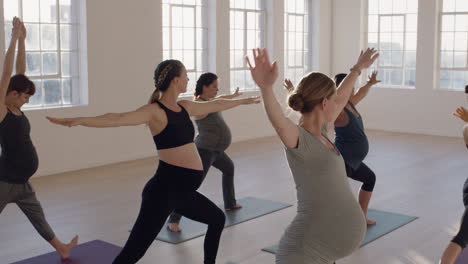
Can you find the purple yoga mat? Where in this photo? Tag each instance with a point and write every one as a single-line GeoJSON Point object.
{"type": "Point", "coordinates": [463, 258]}
{"type": "Point", "coordinates": [93, 252]}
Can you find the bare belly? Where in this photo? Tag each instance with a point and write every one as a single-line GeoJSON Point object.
{"type": "Point", "coordinates": [185, 156]}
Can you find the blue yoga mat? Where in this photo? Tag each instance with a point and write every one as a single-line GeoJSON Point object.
{"type": "Point", "coordinates": [93, 252]}
{"type": "Point", "coordinates": [386, 223]}
{"type": "Point", "coordinates": [251, 208]}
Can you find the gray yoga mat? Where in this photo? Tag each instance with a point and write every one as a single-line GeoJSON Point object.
{"type": "Point", "coordinates": [93, 252]}
{"type": "Point", "coordinates": [386, 223]}
{"type": "Point", "coordinates": [251, 208]}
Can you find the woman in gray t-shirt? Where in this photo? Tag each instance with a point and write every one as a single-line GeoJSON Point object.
{"type": "Point", "coordinates": [329, 224]}
{"type": "Point", "coordinates": [213, 138]}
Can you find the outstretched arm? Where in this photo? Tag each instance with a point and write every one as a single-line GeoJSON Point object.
{"type": "Point", "coordinates": [197, 108]}
{"type": "Point", "coordinates": [345, 89]}
{"type": "Point", "coordinates": [363, 91]}
{"type": "Point", "coordinates": [265, 74]}
{"type": "Point", "coordinates": [21, 55]}
{"type": "Point", "coordinates": [9, 60]}
{"type": "Point", "coordinates": [141, 116]}
{"type": "Point", "coordinates": [230, 96]}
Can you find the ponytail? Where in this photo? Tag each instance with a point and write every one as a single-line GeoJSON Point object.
{"type": "Point", "coordinates": [154, 96]}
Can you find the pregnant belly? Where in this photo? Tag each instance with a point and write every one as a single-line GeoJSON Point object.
{"type": "Point", "coordinates": [336, 233]}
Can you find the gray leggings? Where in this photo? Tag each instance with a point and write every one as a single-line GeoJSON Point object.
{"type": "Point", "coordinates": [221, 161]}
{"type": "Point", "coordinates": [25, 197]}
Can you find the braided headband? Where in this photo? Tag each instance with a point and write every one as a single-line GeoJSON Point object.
{"type": "Point", "coordinates": [163, 75]}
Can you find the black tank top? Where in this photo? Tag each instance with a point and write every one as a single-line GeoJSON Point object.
{"type": "Point", "coordinates": [179, 130]}
{"type": "Point", "coordinates": [18, 159]}
{"type": "Point", "coordinates": [352, 140]}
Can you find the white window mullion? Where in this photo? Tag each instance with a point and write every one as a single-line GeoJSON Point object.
{"type": "Point", "coordinates": [20, 8]}
{"type": "Point", "coordinates": [245, 37]}
{"type": "Point", "coordinates": [59, 49]}
{"type": "Point", "coordinates": [403, 54]}
{"type": "Point", "coordinates": [195, 39]}
{"type": "Point", "coordinates": [41, 63]}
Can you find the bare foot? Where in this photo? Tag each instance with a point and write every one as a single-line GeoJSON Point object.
{"type": "Point", "coordinates": [371, 223]}
{"type": "Point", "coordinates": [237, 206]}
{"type": "Point", "coordinates": [65, 249]}
{"type": "Point", "coordinates": [174, 227]}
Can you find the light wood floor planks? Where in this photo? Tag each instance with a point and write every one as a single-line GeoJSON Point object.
{"type": "Point", "coordinates": [416, 175]}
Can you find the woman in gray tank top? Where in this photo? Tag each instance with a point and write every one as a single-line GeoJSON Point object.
{"type": "Point", "coordinates": [351, 140]}
{"type": "Point", "coordinates": [213, 138]}
{"type": "Point", "coordinates": [329, 224]}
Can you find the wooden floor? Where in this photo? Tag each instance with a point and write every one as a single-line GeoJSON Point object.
{"type": "Point", "coordinates": [416, 175]}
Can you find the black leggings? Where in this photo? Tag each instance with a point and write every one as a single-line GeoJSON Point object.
{"type": "Point", "coordinates": [172, 189]}
{"type": "Point", "coordinates": [462, 237]}
{"type": "Point", "coordinates": [363, 174]}
{"type": "Point", "coordinates": [221, 161]}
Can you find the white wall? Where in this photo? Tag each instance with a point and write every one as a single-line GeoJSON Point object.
{"type": "Point", "coordinates": [124, 46]}
{"type": "Point", "coordinates": [424, 110]}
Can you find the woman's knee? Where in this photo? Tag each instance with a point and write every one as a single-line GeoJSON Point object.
{"type": "Point", "coordinates": [219, 218]}
{"type": "Point", "coordinates": [369, 182]}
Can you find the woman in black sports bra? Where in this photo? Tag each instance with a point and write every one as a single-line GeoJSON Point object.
{"type": "Point", "coordinates": [180, 171]}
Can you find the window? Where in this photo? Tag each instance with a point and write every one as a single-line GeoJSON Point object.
{"type": "Point", "coordinates": [247, 31]}
{"type": "Point", "coordinates": [453, 59]}
{"type": "Point", "coordinates": [53, 49]}
{"type": "Point", "coordinates": [392, 29]}
{"type": "Point", "coordinates": [185, 36]}
{"type": "Point", "coordinates": [296, 42]}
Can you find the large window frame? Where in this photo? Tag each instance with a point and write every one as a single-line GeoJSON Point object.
{"type": "Point", "coordinates": [394, 71]}
{"type": "Point", "coordinates": [239, 71]}
{"type": "Point", "coordinates": [194, 44]}
{"type": "Point", "coordinates": [452, 76]}
{"type": "Point", "coordinates": [60, 86]}
{"type": "Point", "coordinates": [295, 50]}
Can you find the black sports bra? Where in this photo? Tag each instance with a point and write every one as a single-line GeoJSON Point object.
{"type": "Point", "coordinates": [179, 130]}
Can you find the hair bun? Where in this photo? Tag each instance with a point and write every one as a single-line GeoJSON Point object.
{"type": "Point", "coordinates": [296, 102]}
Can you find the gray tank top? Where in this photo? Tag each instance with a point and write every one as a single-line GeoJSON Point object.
{"type": "Point", "coordinates": [329, 219]}
{"type": "Point", "coordinates": [213, 133]}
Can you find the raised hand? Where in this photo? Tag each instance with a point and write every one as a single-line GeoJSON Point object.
{"type": "Point", "coordinates": [288, 85]}
{"type": "Point", "coordinates": [373, 78]}
{"type": "Point", "coordinates": [367, 58]}
{"type": "Point", "coordinates": [251, 100]}
{"type": "Point", "coordinates": [23, 33]}
{"type": "Point", "coordinates": [16, 31]}
{"type": "Point", "coordinates": [236, 93]}
{"type": "Point", "coordinates": [264, 73]}
{"type": "Point", "coordinates": [461, 113]}
{"type": "Point", "coordinates": [69, 122]}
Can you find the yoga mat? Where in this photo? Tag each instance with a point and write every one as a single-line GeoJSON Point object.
{"type": "Point", "coordinates": [463, 258]}
{"type": "Point", "coordinates": [93, 252]}
{"type": "Point", "coordinates": [386, 223]}
{"type": "Point", "coordinates": [251, 208]}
